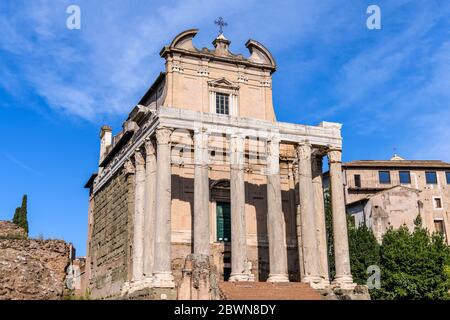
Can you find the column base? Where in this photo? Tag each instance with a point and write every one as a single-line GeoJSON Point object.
{"type": "Point", "coordinates": [137, 285]}
{"type": "Point", "coordinates": [344, 282]}
{"type": "Point", "coordinates": [241, 277]}
{"type": "Point", "coordinates": [163, 280]}
{"type": "Point", "coordinates": [278, 278]}
{"type": "Point", "coordinates": [314, 281]}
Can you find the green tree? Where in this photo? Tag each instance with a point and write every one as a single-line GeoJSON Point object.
{"type": "Point", "coordinates": [414, 265]}
{"type": "Point", "coordinates": [21, 215]}
{"type": "Point", "coordinates": [16, 218]}
{"type": "Point", "coordinates": [364, 251]}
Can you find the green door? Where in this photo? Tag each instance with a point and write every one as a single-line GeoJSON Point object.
{"type": "Point", "coordinates": [223, 214]}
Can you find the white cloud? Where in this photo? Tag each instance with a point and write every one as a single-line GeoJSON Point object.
{"type": "Point", "coordinates": [105, 67]}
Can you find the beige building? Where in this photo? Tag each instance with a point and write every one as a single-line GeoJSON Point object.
{"type": "Point", "coordinates": [203, 185]}
{"type": "Point", "coordinates": [394, 192]}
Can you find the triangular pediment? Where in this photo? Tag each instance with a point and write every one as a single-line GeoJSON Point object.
{"type": "Point", "coordinates": [223, 82]}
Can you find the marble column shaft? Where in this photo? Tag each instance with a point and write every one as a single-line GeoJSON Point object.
{"type": "Point", "coordinates": [162, 268]}
{"type": "Point", "coordinates": [237, 197]}
{"type": "Point", "coordinates": [138, 223]}
{"type": "Point", "coordinates": [309, 235]}
{"type": "Point", "coordinates": [343, 276]}
{"type": "Point", "coordinates": [276, 227]}
{"type": "Point", "coordinates": [319, 207]}
{"type": "Point", "coordinates": [150, 208]}
{"type": "Point", "coordinates": [201, 194]}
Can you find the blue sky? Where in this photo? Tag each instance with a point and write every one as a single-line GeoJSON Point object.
{"type": "Point", "coordinates": [390, 87]}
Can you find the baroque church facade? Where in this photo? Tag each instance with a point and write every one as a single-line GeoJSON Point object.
{"type": "Point", "coordinates": [203, 185]}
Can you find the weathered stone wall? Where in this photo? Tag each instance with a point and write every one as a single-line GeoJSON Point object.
{"type": "Point", "coordinates": [11, 230]}
{"type": "Point", "coordinates": [110, 246]}
{"type": "Point", "coordinates": [33, 269]}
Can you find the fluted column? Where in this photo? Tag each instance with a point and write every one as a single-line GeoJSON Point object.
{"type": "Point", "coordinates": [307, 211]}
{"type": "Point", "coordinates": [343, 276]}
{"type": "Point", "coordinates": [162, 268]}
{"type": "Point", "coordinates": [276, 227]}
{"type": "Point", "coordinates": [298, 221]}
{"type": "Point", "coordinates": [150, 208]}
{"type": "Point", "coordinates": [239, 268]}
{"type": "Point", "coordinates": [201, 194]}
{"type": "Point", "coordinates": [138, 223]}
{"type": "Point", "coordinates": [319, 207]}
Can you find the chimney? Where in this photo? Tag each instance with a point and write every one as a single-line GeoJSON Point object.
{"type": "Point", "coordinates": [105, 141]}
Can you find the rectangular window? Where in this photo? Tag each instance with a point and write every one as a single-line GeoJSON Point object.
{"type": "Point", "coordinates": [438, 203]}
{"type": "Point", "coordinates": [431, 177]}
{"type": "Point", "coordinates": [384, 177]}
{"type": "Point", "coordinates": [447, 176]}
{"type": "Point", "coordinates": [358, 180]}
{"type": "Point", "coordinates": [222, 103]}
{"type": "Point", "coordinates": [405, 177]}
{"type": "Point", "coordinates": [223, 221]}
{"type": "Point", "coordinates": [439, 226]}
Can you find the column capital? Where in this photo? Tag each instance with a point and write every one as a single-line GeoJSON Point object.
{"type": "Point", "coordinates": [304, 151]}
{"type": "Point", "coordinates": [139, 158]}
{"type": "Point", "coordinates": [335, 155]}
{"type": "Point", "coordinates": [128, 167]}
{"type": "Point", "coordinates": [149, 147]}
{"type": "Point", "coordinates": [163, 135]}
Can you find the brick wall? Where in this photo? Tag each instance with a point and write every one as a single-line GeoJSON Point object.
{"type": "Point", "coordinates": [110, 246]}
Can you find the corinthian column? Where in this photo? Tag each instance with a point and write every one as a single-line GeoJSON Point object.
{"type": "Point", "coordinates": [138, 228]}
{"type": "Point", "coordinates": [239, 268]}
{"type": "Point", "coordinates": [150, 208]}
{"type": "Point", "coordinates": [343, 276]}
{"type": "Point", "coordinates": [275, 219]}
{"type": "Point", "coordinates": [162, 268]}
{"type": "Point", "coordinates": [320, 217]}
{"type": "Point", "coordinates": [201, 194]}
{"type": "Point", "coordinates": [307, 211]}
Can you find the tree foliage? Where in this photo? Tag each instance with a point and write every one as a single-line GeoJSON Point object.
{"type": "Point", "coordinates": [364, 251]}
{"type": "Point", "coordinates": [21, 215]}
{"type": "Point", "coordinates": [414, 265]}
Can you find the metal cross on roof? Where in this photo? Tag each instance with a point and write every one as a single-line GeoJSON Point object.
{"type": "Point", "coordinates": [221, 23]}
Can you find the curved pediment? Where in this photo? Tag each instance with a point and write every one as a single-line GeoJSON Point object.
{"type": "Point", "coordinates": [259, 53]}
{"type": "Point", "coordinates": [184, 40]}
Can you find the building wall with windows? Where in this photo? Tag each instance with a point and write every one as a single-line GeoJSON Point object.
{"type": "Point", "coordinates": [431, 179]}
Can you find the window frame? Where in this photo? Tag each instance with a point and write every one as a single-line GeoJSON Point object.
{"type": "Point", "coordinates": [226, 103]}
{"type": "Point", "coordinates": [389, 177]}
{"type": "Point", "coordinates": [400, 176]}
{"type": "Point", "coordinates": [435, 176]}
{"type": "Point", "coordinates": [440, 202]}
{"type": "Point", "coordinates": [357, 180]}
{"type": "Point", "coordinates": [441, 221]}
{"type": "Point", "coordinates": [447, 177]}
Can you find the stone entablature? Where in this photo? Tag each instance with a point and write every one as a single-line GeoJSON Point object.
{"type": "Point", "coordinates": [326, 134]}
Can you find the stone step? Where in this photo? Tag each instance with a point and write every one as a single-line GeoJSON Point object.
{"type": "Point", "coordinates": [267, 291]}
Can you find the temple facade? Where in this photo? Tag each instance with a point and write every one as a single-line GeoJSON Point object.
{"type": "Point", "coordinates": [203, 185]}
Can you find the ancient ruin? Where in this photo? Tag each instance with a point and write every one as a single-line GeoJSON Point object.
{"type": "Point", "coordinates": [203, 185]}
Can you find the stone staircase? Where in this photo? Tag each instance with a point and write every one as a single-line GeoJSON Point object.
{"type": "Point", "coordinates": [267, 291]}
